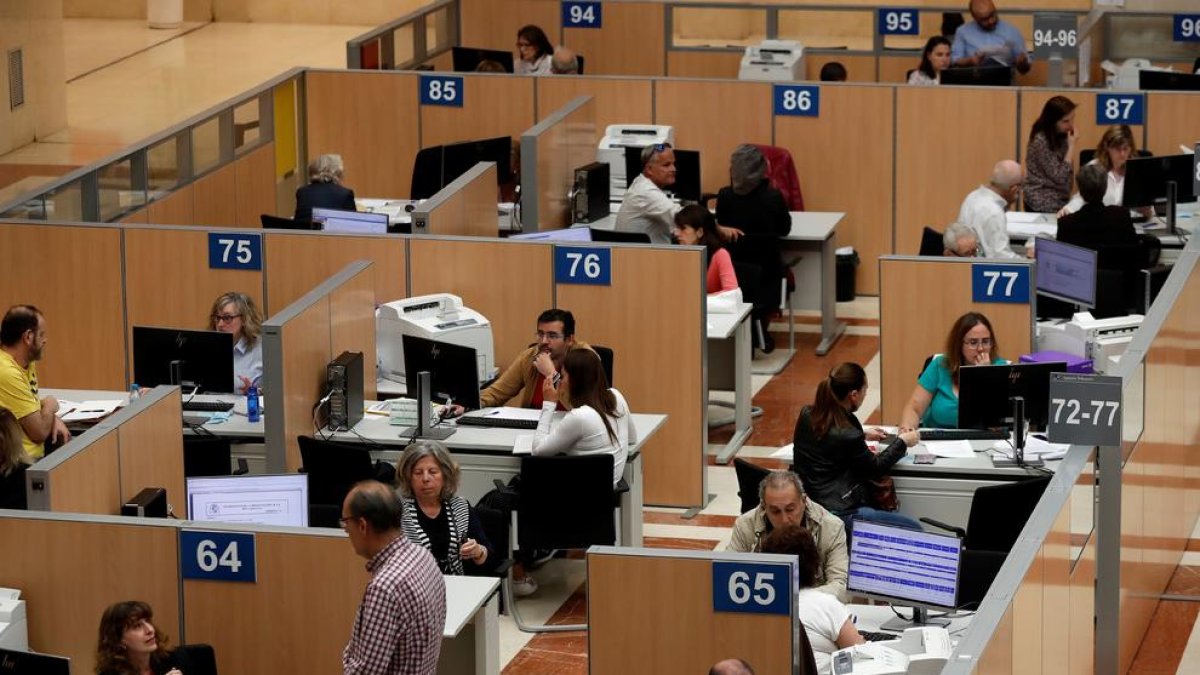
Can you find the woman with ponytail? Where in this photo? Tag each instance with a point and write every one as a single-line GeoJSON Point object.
{"type": "Point", "coordinates": [831, 453]}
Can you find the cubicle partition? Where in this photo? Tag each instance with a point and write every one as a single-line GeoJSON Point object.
{"type": "Point", "coordinates": [296, 262]}
{"type": "Point", "coordinates": [550, 152]}
{"type": "Point", "coordinates": [466, 206]}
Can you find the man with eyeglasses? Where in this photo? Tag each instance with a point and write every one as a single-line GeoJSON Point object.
{"type": "Point", "coordinates": [22, 341]}
{"type": "Point", "coordinates": [960, 241]}
{"type": "Point", "coordinates": [983, 210]}
{"type": "Point", "coordinates": [539, 362]}
{"type": "Point", "coordinates": [646, 207]}
{"type": "Point", "coordinates": [988, 41]}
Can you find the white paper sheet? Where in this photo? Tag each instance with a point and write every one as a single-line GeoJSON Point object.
{"type": "Point", "coordinates": [508, 413]}
{"type": "Point", "coordinates": [785, 452]}
{"type": "Point", "coordinates": [523, 445]}
{"type": "Point", "coordinates": [952, 449]}
{"type": "Point", "coordinates": [88, 410]}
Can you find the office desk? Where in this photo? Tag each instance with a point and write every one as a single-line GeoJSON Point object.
{"type": "Point", "coordinates": [816, 278]}
{"type": "Point", "coordinates": [471, 637]}
{"type": "Point", "coordinates": [1023, 226]}
{"type": "Point", "coordinates": [729, 370]}
{"type": "Point", "coordinates": [871, 617]}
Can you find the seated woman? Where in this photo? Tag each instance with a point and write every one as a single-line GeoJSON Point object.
{"type": "Point", "coordinates": [831, 455]}
{"type": "Point", "coordinates": [237, 314]}
{"type": "Point", "coordinates": [934, 401]}
{"type": "Point", "coordinates": [13, 462]}
{"type": "Point", "coordinates": [1115, 148]}
{"type": "Point", "coordinates": [827, 622]}
{"type": "Point", "coordinates": [934, 59]}
{"type": "Point", "coordinates": [534, 52]}
{"type": "Point", "coordinates": [324, 189]}
{"type": "Point", "coordinates": [1050, 157]}
{"type": "Point", "coordinates": [130, 645]}
{"type": "Point", "coordinates": [695, 226]}
{"type": "Point", "coordinates": [434, 516]}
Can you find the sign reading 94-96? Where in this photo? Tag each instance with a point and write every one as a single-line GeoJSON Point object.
{"type": "Point", "coordinates": [1120, 108]}
{"type": "Point", "coordinates": [1055, 35]}
{"type": "Point", "coordinates": [999, 283]}
{"type": "Point", "coordinates": [755, 588]}
{"type": "Point", "coordinates": [217, 556]}
{"type": "Point", "coordinates": [227, 250]}
{"type": "Point", "coordinates": [898, 21]}
{"type": "Point", "coordinates": [798, 100]}
{"type": "Point", "coordinates": [576, 14]}
{"type": "Point", "coordinates": [1186, 28]}
{"type": "Point", "coordinates": [441, 90]}
{"type": "Point", "coordinates": [581, 265]}
{"type": "Point", "coordinates": [1085, 409]}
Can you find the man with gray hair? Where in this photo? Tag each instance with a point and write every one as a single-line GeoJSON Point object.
{"type": "Point", "coordinates": [983, 209]}
{"type": "Point", "coordinates": [782, 502]}
{"type": "Point", "coordinates": [646, 207]}
{"type": "Point", "coordinates": [960, 241]}
{"type": "Point", "coordinates": [1095, 224]}
{"type": "Point", "coordinates": [564, 62]}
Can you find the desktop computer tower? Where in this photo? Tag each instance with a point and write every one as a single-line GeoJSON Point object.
{"type": "Point", "coordinates": [589, 196]}
{"type": "Point", "coordinates": [345, 380]}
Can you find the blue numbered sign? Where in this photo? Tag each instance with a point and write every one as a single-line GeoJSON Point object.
{"type": "Point", "coordinates": [1120, 108]}
{"type": "Point", "coordinates": [217, 556]}
{"type": "Point", "coordinates": [1186, 28]}
{"type": "Point", "coordinates": [581, 14]}
{"type": "Point", "coordinates": [581, 265]}
{"type": "Point", "coordinates": [441, 90]}
{"type": "Point", "coordinates": [898, 21]}
{"type": "Point", "coordinates": [754, 588]}
{"type": "Point", "coordinates": [798, 100]}
{"type": "Point", "coordinates": [1000, 283]}
{"type": "Point", "coordinates": [227, 250]}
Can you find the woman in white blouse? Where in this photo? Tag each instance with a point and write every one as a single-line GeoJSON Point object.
{"type": "Point", "coordinates": [934, 59]}
{"type": "Point", "coordinates": [534, 52]}
{"type": "Point", "coordinates": [598, 421]}
{"type": "Point", "coordinates": [1114, 150]}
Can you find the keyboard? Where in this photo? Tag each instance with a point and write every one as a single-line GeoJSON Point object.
{"type": "Point", "coordinates": [207, 406]}
{"type": "Point", "coordinates": [499, 422]}
{"type": "Point", "coordinates": [964, 435]}
{"type": "Point", "coordinates": [872, 636]}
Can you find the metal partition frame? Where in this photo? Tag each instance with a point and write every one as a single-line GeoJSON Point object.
{"type": "Point", "coordinates": [385, 36]}
{"type": "Point", "coordinates": [423, 214]}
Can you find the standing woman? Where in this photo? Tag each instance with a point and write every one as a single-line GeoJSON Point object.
{"type": "Point", "coordinates": [130, 644]}
{"type": "Point", "coordinates": [237, 314]}
{"type": "Point", "coordinates": [934, 59]}
{"type": "Point", "coordinates": [534, 52]}
{"type": "Point", "coordinates": [1048, 160]}
{"type": "Point", "coordinates": [695, 226]}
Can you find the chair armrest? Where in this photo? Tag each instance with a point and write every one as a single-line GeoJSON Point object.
{"type": "Point", "coordinates": [949, 528]}
{"type": "Point", "coordinates": [243, 468]}
{"type": "Point", "coordinates": [621, 488]}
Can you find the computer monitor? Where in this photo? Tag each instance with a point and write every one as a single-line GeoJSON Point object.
{"type": "Point", "coordinates": [1168, 80]}
{"type": "Point", "coordinates": [1066, 272]}
{"type": "Point", "coordinates": [14, 662]}
{"type": "Point", "coordinates": [200, 358]}
{"type": "Point", "coordinates": [619, 236]}
{"type": "Point", "coordinates": [458, 158]}
{"type": "Point", "coordinates": [467, 59]}
{"type": "Point", "coordinates": [566, 234]}
{"type": "Point", "coordinates": [985, 394]}
{"type": "Point", "coordinates": [453, 370]}
{"type": "Point", "coordinates": [259, 499]}
{"type": "Point", "coordinates": [910, 567]}
{"type": "Point", "coordinates": [1146, 180]}
{"type": "Point", "coordinates": [687, 172]}
{"type": "Point", "coordinates": [978, 76]}
{"type": "Point", "coordinates": [351, 222]}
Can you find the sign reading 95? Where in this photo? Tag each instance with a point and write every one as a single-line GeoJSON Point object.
{"type": "Point", "coordinates": [754, 588]}
{"type": "Point", "coordinates": [898, 21]}
{"type": "Point", "coordinates": [441, 90]}
{"type": "Point", "coordinates": [799, 100]}
{"type": "Point", "coordinates": [217, 556]}
{"type": "Point", "coordinates": [581, 265]}
{"type": "Point", "coordinates": [1120, 108]}
{"type": "Point", "coordinates": [1085, 409]}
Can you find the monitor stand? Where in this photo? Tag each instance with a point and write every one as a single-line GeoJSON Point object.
{"type": "Point", "coordinates": [423, 428]}
{"type": "Point", "coordinates": [920, 617]}
{"type": "Point", "coordinates": [1018, 440]}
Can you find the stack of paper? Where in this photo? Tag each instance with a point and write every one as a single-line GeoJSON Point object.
{"type": "Point", "coordinates": [403, 412]}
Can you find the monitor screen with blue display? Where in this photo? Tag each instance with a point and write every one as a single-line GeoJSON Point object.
{"type": "Point", "coordinates": [1066, 272]}
{"type": "Point", "coordinates": [352, 222]}
{"type": "Point", "coordinates": [909, 567]}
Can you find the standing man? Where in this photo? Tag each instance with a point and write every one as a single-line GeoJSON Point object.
{"type": "Point", "coordinates": [22, 340]}
{"type": "Point", "coordinates": [984, 208]}
{"type": "Point", "coordinates": [988, 40]}
{"type": "Point", "coordinates": [646, 208]}
{"type": "Point", "coordinates": [398, 630]}
{"type": "Point", "coordinates": [540, 361]}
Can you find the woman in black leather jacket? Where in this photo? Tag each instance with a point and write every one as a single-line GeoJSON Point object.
{"type": "Point", "coordinates": [831, 453]}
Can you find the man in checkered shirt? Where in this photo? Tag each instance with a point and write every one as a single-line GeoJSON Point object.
{"type": "Point", "coordinates": [398, 630]}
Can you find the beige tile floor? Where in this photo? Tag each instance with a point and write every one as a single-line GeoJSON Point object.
{"type": "Point", "coordinates": [91, 44]}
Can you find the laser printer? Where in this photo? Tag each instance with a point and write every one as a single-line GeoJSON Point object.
{"type": "Point", "coordinates": [773, 61]}
{"type": "Point", "coordinates": [440, 317]}
{"type": "Point", "coordinates": [14, 629]}
{"type": "Point", "coordinates": [617, 137]}
{"type": "Point", "coordinates": [1095, 339]}
{"type": "Point", "coordinates": [920, 650]}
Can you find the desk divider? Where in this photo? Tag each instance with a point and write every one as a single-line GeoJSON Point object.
{"type": "Point", "coordinates": [919, 300]}
{"type": "Point", "coordinates": [465, 207]}
{"type": "Point", "coordinates": [550, 153]}
{"type": "Point", "coordinates": [295, 262]}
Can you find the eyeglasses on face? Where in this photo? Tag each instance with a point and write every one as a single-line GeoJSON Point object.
{"type": "Point", "coordinates": [976, 343]}
{"type": "Point", "coordinates": [551, 336]}
{"type": "Point", "coordinates": [345, 519]}
{"type": "Point", "coordinates": [224, 318]}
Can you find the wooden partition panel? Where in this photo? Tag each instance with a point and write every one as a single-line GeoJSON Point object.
{"type": "Point", "coordinates": [919, 300]}
{"type": "Point", "coordinates": [321, 570]}
{"type": "Point", "coordinates": [493, 105]}
{"type": "Point", "coordinates": [254, 175]}
{"type": "Point", "coordinates": [73, 275]}
{"type": "Point", "coordinates": [174, 209]}
{"type": "Point", "coordinates": [307, 344]}
{"type": "Point", "coordinates": [652, 317]}
{"type": "Point", "coordinates": [297, 261]}
{"type": "Point", "coordinates": [856, 128]}
{"type": "Point", "coordinates": [947, 141]}
{"type": "Point", "coordinates": [370, 119]}
{"type": "Point", "coordinates": [714, 117]}
{"type": "Point", "coordinates": [722, 64]}
{"type": "Point", "coordinates": [637, 23]}
{"type": "Point", "coordinates": [894, 69]}
{"type": "Point", "coordinates": [90, 482]}
{"type": "Point", "coordinates": [1171, 121]}
{"type": "Point", "coordinates": [468, 212]}
{"type": "Point", "coordinates": [139, 217]}
{"type": "Point", "coordinates": [151, 451]}
{"type": "Point", "coordinates": [508, 282]}
{"type": "Point", "coordinates": [560, 149]}
{"type": "Point", "coordinates": [494, 25]}
{"type": "Point", "coordinates": [67, 584]}
{"type": "Point", "coordinates": [214, 198]}
{"type": "Point", "coordinates": [352, 324]}
{"type": "Point", "coordinates": [614, 100]}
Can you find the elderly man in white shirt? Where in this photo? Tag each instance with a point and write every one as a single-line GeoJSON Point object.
{"type": "Point", "coordinates": [984, 208]}
{"type": "Point", "coordinates": [646, 208]}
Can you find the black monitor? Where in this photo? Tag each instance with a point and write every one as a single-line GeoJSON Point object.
{"type": "Point", "coordinates": [1066, 272]}
{"type": "Point", "coordinates": [1168, 80]}
{"type": "Point", "coordinates": [458, 158]}
{"type": "Point", "coordinates": [13, 662]}
{"type": "Point", "coordinates": [467, 59]}
{"type": "Point", "coordinates": [687, 172]}
{"type": "Point", "coordinates": [619, 236]}
{"type": "Point", "coordinates": [427, 173]}
{"type": "Point", "coordinates": [978, 76]}
{"type": "Point", "coordinates": [1146, 179]}
{"type": "Point", "coordinates": [985, 394]}
{"type": "Point", "coordinates": [203, 358]}
{"type": "Point", "coordinates": [902, 566]}
{"type": "Point", "coordinates": [453, 370]}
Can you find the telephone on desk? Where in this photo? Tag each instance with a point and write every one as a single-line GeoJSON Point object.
{"type": "Point", "coordinates": [920, 650]}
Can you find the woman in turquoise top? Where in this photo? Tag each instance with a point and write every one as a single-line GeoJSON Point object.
{"type": "Point", "coordinates": [934, 401]}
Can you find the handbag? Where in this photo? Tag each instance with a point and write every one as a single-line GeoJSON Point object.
{"type": "Point", "coordinates": [883, 493]}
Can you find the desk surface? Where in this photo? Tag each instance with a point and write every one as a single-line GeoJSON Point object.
{"type": "Point", "coordinates": [871, 617]}
{"type": "Point", "coordinates": [721, 326]}
{"type": "Point", "coordinates": [813, 225]}
{"type": "Point", "coordinates": [1022, 225]}
{"type": "Point", "coordinates": [464, 597]}
{"type": "Point", "coordinates": [980, 465]}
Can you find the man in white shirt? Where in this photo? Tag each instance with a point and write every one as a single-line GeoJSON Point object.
{"type": "Point", "coordinates": [646, 208]}
{"type": "Point", "coordinates": [984, 208]}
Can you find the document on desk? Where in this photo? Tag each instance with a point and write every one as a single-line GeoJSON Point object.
{"type": "Point", "coordinates": [87, 411]}
{"type": "Point", "coordinates": [952, 449]}
{"type": "Point", "coordinates": [1037, 446]}
{"type": "Point", "coordinates": [523, 445]}
{"type": "Point", "coordinates": [786, 452]}
{"type": "Point", "coordinates": [509, 413]}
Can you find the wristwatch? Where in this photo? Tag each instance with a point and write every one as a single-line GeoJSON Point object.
{"type": "Point", "coordinates": [556, 379]}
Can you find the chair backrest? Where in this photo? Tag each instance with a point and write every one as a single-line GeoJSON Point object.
{"type": "Point", "coordinates": [333, 468]}
{"type": "Point", "coordinates": [201, 658]}
{"type": "Point", "coordinates": [276, 223]}
{"type": "Point", "coordinates": [999, 512]}
{"type": "Point", "coordinates": [427, 173]}
{"type": "Point", "coordinates": [566, 502]}
{"type": "Point", "coordinates": [749, 476]}
{"type": "Point", "coordinates": [206, 456]}
{"type": "Point", "coordinates": [931, 242]}
{"type": "Point", "coordinates": [618, 236]}
{"type": "Point", "coordinates": [781, 172]}
{"type": "Point", "coordinates": [579, 60]}
{"type": "Point", "coordinates": [606, 361]}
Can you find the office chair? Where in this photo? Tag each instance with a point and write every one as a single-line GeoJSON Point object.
{"type": "Point", "coordinates": [333, 468]}
{"type": "Point", "coordinates": [270, 222]}
{"type": "Point", "coordinates": [931, 242]}
{"type": "Point", "coordinates": [579, 60]}
{"type": "Point", "coordinates": [565, 502]}
{"type": "Point", "coordinates": [1128, 277]}
{"type": "Point", "coordinates": [618, 236]}
{"type": "Point", "coordinates": [606, 361]}
{"type": "Point", "coordinates": [200, 659]}
{"type": "Point", "coordinates": [427, 173]}
{"type": "Point", "coordinates": [749, 476]}
{"type": "Point", "coordinates": [210, 456]}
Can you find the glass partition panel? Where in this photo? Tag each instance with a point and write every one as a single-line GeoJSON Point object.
{"type": "Point", "coordinates": [162, 167]}
{"type": "Point", "coordinates": [31, 209]}
{"type": "Point", "coordinates": [1083, 508]}
{"type": "Point", "coordinates": [437, 30]}
{"type": "Point", "coordinates": [827, 29]}
{"type": "Point", "coordinates": [246, 132]}
{"type": "Point", "coordinates": [1145, 37]}
{"type": "Point", "coordinates": [402, 46]}
{"type": "Point", "coordinates": [65, 203]}
{"type": "Point", "coordinates": [206, 146]}
{"type": "Point", "coordinates": [717, 27]}
{"type": "Point", "coordinates": [1133, 410]}
{"type": "Point", "coordinates": [120, 190]}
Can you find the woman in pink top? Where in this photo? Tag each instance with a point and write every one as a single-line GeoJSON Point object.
{"type": "Point", "coordinates": [696, 226]}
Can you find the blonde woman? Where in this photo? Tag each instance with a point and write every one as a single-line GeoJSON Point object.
{"type": "Point", "coordinates": [236, 313]}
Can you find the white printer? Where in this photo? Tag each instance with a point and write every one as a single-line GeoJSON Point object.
{"type": "Point", "coordinates": [922, 650]}
{"type": "Point", "coordinates": [440, 317]}
{"type": "Point", "coordinates": [773, 61]}
{"type": "Point", "coordinates": [1095, 339]}
{"type": "Point", "coordinates": [14, 629]}
{"type": "Point", "coordinates": [617, 137]}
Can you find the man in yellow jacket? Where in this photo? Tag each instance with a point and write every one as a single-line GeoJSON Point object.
{"type": "Point", "coordinates": [521, 382]}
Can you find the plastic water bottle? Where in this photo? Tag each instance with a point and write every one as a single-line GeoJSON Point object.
{"type": "Point", "coordinates": [135, 392]}
{"type": "Point", "coordinates": [252, 413]}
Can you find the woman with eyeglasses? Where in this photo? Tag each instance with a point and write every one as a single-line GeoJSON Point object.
{"type": "Point", "coordinates": [934, 401]}
{"type": "Point", "coordinates": [1115, 148]}
{"type": "Point", "coordinates": [534, 52]}
{"type": "Point", "coordinates": [235, 313]}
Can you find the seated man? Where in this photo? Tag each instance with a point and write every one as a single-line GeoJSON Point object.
{"type": "Point", "coordinates": [646, 208]}
{"type": "Point", "coordinates": [1094, 224]}
{"type": "Point", "coordinates": [960, 241]}
{"type": "Point", "coordinates": [22, 341]}
{"type": "Point", "coordinates": [781, 502]}
{"type": "Point", "coordinates": [988, 40]}
{"type": "Point", "coordinates": [541, 360]}
{"type": "Point", "coordinates": [564, 62]}
{"type": "Point", "coordinates": [984, 208]}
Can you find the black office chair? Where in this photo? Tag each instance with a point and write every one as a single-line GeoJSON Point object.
{"type": "Point", "coordinates": [210, 456]}
{"type": "Point", "coordinates": [198, 659]}
{"type": "Point", "coordinates": [749, 477]}
{"type": "Point", "coordinates": [1129, 277]}
{"type": "Point", "coordinates": [427, 173]}
{"type": "Point", "coordinates": [270, 222]}
{"type": "Point", "coordinates": [618, 236]}
{"type": "Point", "coordinates": [606, 361]}
{"type": "Point", "coordinates": [579, 60]}
{"type": "Point", "coordinates": [333, 468]}
{"type": "Point", "coordinates": [931, 242]}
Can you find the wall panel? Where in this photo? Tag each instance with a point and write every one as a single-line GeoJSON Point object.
{"type": "Point", "coordinates": [297, 262]}
{"type": "Point", "coordinates": [615, 101]}
{"type": "Point", "coordinates": [1171, 121]}
{"type": "Point", "coordinates": [214, 198]}
{"type": "Point", "coordinates": [173, 209]}
{"type": "Point", "coordinates": [255, 185]}
{"type": "Point", "coordinates": [712, 64]}
{"type": "Point", "coordinates": [638, 23]}
{"type": "Point", "coordinates": [151, 450]}
{"type": "Point", "coordinates": [482, 114]}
